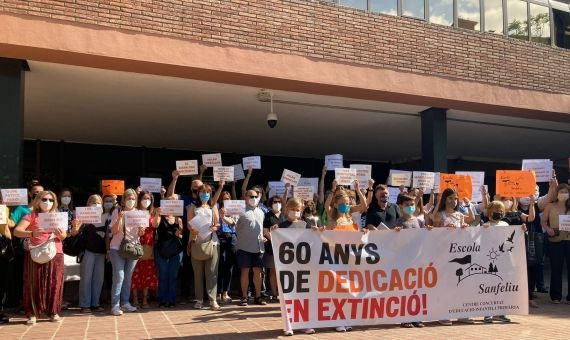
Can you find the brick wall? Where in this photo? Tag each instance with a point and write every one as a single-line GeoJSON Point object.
{"type": "Point", "coordinates": [319, 30]}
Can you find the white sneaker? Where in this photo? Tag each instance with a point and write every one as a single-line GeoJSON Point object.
{"type": "Point", "coordinates": [127, 307]}
{"type": "Point", "coordinates": [116, 311]}
{"type": "Point", "coordinates": [309, 331]}
{"type": "Point", "coordinates": [288, 333]}
{"type": "Point", "coordinates": [341, 329]}
{"type": "Point", "coordinates": [348, 328]}
{"type": "Point", "coordinates": [31, 321]}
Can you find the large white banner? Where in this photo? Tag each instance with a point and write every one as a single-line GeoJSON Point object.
{"type": "Point", "coordinates": [343, 278]}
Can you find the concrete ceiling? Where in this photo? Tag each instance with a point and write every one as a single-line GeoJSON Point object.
{"type": "Point", "coordinates": [79, 104]}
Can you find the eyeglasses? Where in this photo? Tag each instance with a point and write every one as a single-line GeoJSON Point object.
{"type": "Point", "coordinates": [276, 202]}
{"type": "Point", "coordinates": [252, 196]}
{"type": "Point", "coordinates": [47, 200]}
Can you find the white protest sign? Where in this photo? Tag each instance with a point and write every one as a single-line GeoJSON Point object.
{"type": "Point", "coordinates": [278, 189]}
{"type": "Point", "coordinates": [542, 168]}
{"type": "Point", "coordinates": [437, 178]}
{"type": "Point", "coordinates": [399, 177]}
{"type": "Point", "coordinates": [172, 207]}
{"type": "Point", "coordinates": [564, 222]}
{"type": "Point", "coordinates": [333, 161]}
{"type": "Point", "coordinates": [254, 162]}
{"type": "Point", "coordinates": [312, 182]}
{"type": "Point", "coordinates": [290, 177]}
{"type": "Point", "coordinates": [304, 192]}
{"type": "Point", "coordinates": [53, 221]}
{"type": "Point", "coordinates": [238, 172]}
{"type": "Point", "coordinates": [477, 180]}
{"type": "Point", "coordinates": [14, 197]}
{"type": "Point", "coordinates": [212, 160]}
{"type": "Point", "coordinates": [344, 176]}
{"type": "Point", "coordinates": [3, 214]}
{"type": "Point", "coordinates": [187, 168]}
{"type": "Point", "coordinates": [393, 192]}
{"type": "Point", "coordinates": [363, 173]}
{"type": "Point", "coordinates": [223, 173]}
{"type": "Point", "coordinates": [234, 207]}
{"type": "Point", "coordinates": [389, 279]}
{"type": "Point", "coordinates": [203, 225]}
{"type": "Point", "coordinates": [135, 219]}
{"type": "Point", "coordinates": [423, 180]}
{"type": "Point", "coordinates": [91, 215]}
{"type": "Point", "coordinates": [151, 184]}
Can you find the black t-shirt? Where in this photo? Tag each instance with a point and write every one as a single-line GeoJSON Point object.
{"type": "Point", "coordinates": [513, 218]}
{"type": "Point", "coordinates": [376, 215]}
{"type": "Point", "coordinates": [165, 230]}
{"type": "Point", "coordinates": [533, 226]}
{"type": "Point", "coordinates": [270, 220]}
{"type": "Point", "coordinates": [95, 238]}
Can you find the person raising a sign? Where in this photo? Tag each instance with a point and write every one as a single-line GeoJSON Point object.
{"type": "Point", "coordinates": [339, 209]}
{"type": "Point", "coordinates": [43, 283]}
{"type": "Point", "coordinates": [447, 214]}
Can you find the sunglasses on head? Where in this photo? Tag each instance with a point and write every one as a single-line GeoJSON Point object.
{"type": "Point", "coordinates": [47, 200]}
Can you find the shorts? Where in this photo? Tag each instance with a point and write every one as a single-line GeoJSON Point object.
{"type": "Point", "coordinates": [268, 260]}
{"type": "Point", "coordinates": [245, 259]}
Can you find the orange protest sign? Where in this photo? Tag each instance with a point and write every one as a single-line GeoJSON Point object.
{"type": "Point", "coordinates": [460, 183]}
{"type": "Point", "coordinates": [516, 183]}
{"type": "Point", "coordinates": [112, 187]}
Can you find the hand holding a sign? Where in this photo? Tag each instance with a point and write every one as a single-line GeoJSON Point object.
{"type": "Point", "coordinates": [60, 233]}
{"type": "Point", "coordinates": [75, 225]}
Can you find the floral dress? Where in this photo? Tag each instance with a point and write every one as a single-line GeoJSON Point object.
{"type": "Point", "coordinates": [145, 275]}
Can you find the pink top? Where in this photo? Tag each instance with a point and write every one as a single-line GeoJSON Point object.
{"type": "Point", "coordinates": [35, 241]}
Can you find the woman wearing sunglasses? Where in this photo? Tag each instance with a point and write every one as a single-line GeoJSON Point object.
{"type": "Point", "coordinates": [43, 283]}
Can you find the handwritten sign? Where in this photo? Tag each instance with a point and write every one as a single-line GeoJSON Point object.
{"type": "Point", "coordinates": [91, 215]}
{"type": "Point", "coordinates": [563, 222]}
{"type": "Point", "coordinates": [393, 193]}
{"type": "Point", "coordinates": [172, 207]}
{"type": "Point", "coordinates": [423, 180]}
{"type": "Point", "coordinates": [399, 177]}
{"type": "Point", "coordinates": [311, 181]}
{"type": "Point", "coordinates": [224, 173]}
{"type": "Point", "coordinates": [238, 172]}
{"type": "Point", "coordinates": [15, 197]}
{"type": "Point", "coordinates": [461, 184]}
{"type": "Point", "coordinates": [363, 173]}
{"type": "Point", "coordinates": [234, 207]}
{"type": "Point", "coordinates": [112, 187]}
{"type": "Point", "coordinates": [515, 183]}
{"type": "Point", "coordinates": [212, 160]}
{"type": "Point", "coordinates": [478, 180]}
{"type": "Point", "coordinates": [304, 192]}
{"type": "Point", "coordinates": [136, 219]}
{"type": "Point", "coordinates": [278, 189]}
{"type": "Point", "coordinates": [254, 162]}
{"type": "Point", "coordinates": [542, 168]}
{"type": "Point", "coordinates": [290, 177]}
{"type": "Point", "coordinates": [344, 176]}
{"type": "Point", "coordinates": [151, 184]}
{"type": "Point", "coordinates": [334, 161]}
{"type": "Point", "coordinates": [52, 221]}
{"type": "Point", "coordinates": [187, 168]}
{"type": "Point", "coordinates": [3, 214]}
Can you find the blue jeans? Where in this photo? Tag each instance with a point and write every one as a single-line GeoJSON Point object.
{"type": "Point", "coordinates": [122, 273]}
{"type": "Point", "coordinates": [92, 275]}
{"type": "Point", "coordinates": [167, 276]}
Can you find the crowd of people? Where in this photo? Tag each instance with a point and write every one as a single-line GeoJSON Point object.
{"type": "Point", "coordinates": [138, 263]}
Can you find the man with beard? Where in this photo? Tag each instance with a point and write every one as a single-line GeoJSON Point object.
{"type": "Point", "coordinates": [380, 210]}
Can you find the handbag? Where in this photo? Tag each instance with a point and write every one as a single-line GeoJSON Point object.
{"type": "Point", "coordinates": [74, 245]}
{"type": "Point", "coordinates": [534, 247]}
{"type": "Point", "coordinates": [204, 250]}
{"type": "Point", "coordinates": [130, 250]}
{"type": "Point", "coordinates": [6, 249]}
{"type": "Point", "coordinates": [44, 252]}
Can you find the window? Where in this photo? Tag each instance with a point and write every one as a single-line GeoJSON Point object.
{"type": "Point", "coordinates": [494, 16]}
{"type": "Point", "coordinates": [517, 19]}
{"type": "Point", "coordinates": [539, 24]}
{"type": "Point", "coordinates": [468, 14]}
{"type": "Point", "coordinates": [413, 8]}
{"type": "Point", "coordinates": [360, 4]}
{"type": "Point", "coordinates": [561, 28]}
{"type": "Point", "coordinates": [441, 12]}
{"type": "Point", "coordinates": [384, 6]}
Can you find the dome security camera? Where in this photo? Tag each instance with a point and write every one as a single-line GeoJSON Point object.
{"type": "Point", "coordinates": [272, 120]}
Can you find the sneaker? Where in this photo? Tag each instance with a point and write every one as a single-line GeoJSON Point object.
{"type": "Point", "coordinates": [243, 303]}
{"type": "Point", "coordinates": [542, 290]}
{"type": "Point", "coordinates": [501, 318]}
{"type": "Point", "coordinates": [116, 311]}
{"type": "Point", "coordinates": [97, 309]}
{"type": "Point", "coordinates": [341, 329]}
{"type": "Point", "coordinates": [31, 321]}
{"type": "Point", "coordinates": [172, 305]}
{"type": "Point", "coordinates": [466, 320]}
{"type": "Point", "coordinates": [288, 333]}
{"type": "Point", "coordinates": [55, 318]}
{"type": "Point", "coordinates": [445, 322]}
{"type": "Point", "coordinates": [488, 319]}
{"type": "Point", "coordinates": [260, 301]}
{"type": "Point", "coordinates": [162, 305]}
{"type": "Point", "coordinates": [556, 302]}
{"type": "Point", "coordinates": [418, 324]}
{"type": "Point", "coordinates": [127, 307]}
{"type": "Point", "coordinates": [85, 310]}
{"type": "Point", "coordinates": [214, 306]}
{"type": "Point", "coordinates": [532, 304]}
{"type": "Point", "coordinates": [348, 328]}
{"type": "Point", "coordinates": [407, 325]}
{"type": "Point", "coordinates": [309, 331]}
{"type": "Point", "coordinates": [198, 305]}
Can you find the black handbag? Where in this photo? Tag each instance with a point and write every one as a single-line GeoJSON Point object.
{"type": "Point", "coordinates": [534, 247]}
{"type": "Point", "coordinates": [6, 249]}
{"type": "Point", "coordinates": [74, 245]}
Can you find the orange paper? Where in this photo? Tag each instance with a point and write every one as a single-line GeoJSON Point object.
{"type": "Point", "coordinates": [516, 183]}
{"type": "Point", "coordinates": [112, 187]}
{"type": "Point", "coordinates": [460, 183]}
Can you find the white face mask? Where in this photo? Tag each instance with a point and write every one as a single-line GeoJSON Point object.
{"type": "Point", "coordinates": [46, 206]}
{"type": "Point", "coordinates": [66, 200]}
{"type": "Point", "coordinates": [276, 207]}
{"type": "Point", "coordinates": [524, 201]}
{"type": "Point", "coordinates": [294, 215]}
{"type": "Point", "coordinates": [145, 203]}
{"type": "Point", "coordinates": [253, 202]}
{"type": "Point", "coordinates": [562, 196]}
{"type": "Point", "coordinates": [130, 204]}
{"type": "Point", "coordinates": [97, 205]}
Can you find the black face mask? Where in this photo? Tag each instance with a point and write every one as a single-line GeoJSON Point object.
{"type": "Point", "coordinates": [497, 216]}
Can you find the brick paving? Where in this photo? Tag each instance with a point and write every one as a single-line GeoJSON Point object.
{"type": "Point", "coordinates": [263, 322]}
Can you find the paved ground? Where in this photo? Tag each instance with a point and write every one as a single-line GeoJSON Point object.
{"type": "Point", "coordinates": [233, 322]}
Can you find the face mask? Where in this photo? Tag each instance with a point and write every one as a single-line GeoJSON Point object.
{"type": "Point", "coordinates": [563, 197]}
{"type": "Point", "coordinates": [343, 208]}
{"type": "Point", "coordinates": [524, 201]}
{"type": "Point", "coordinates": [253, 202]}
{"type": "Point", "coordinates": [204, 197]}
{"type": "Point", "coordinates": [97, 205]}
{"type": "Point", "coordinates": [46, 206]}
{"type": "Point", "coordinates": [410, 210]}
{"type": "Point", "coordinates": [508, 204]}
{"type": "Point", "coordinates": [145, 203]}
{"type": "Point", "coordinates": [66, 200]}
{"type": "Point", "coordinates": [293, 215]}
{"type": "Point", "coordinates": [497, 216]}
{"type": "Point", "coordinates": [276, 207]}
{"type": "Point", "coordinates": [130, 204]}
{"type": "Point", "coordinates": [108, 205]}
